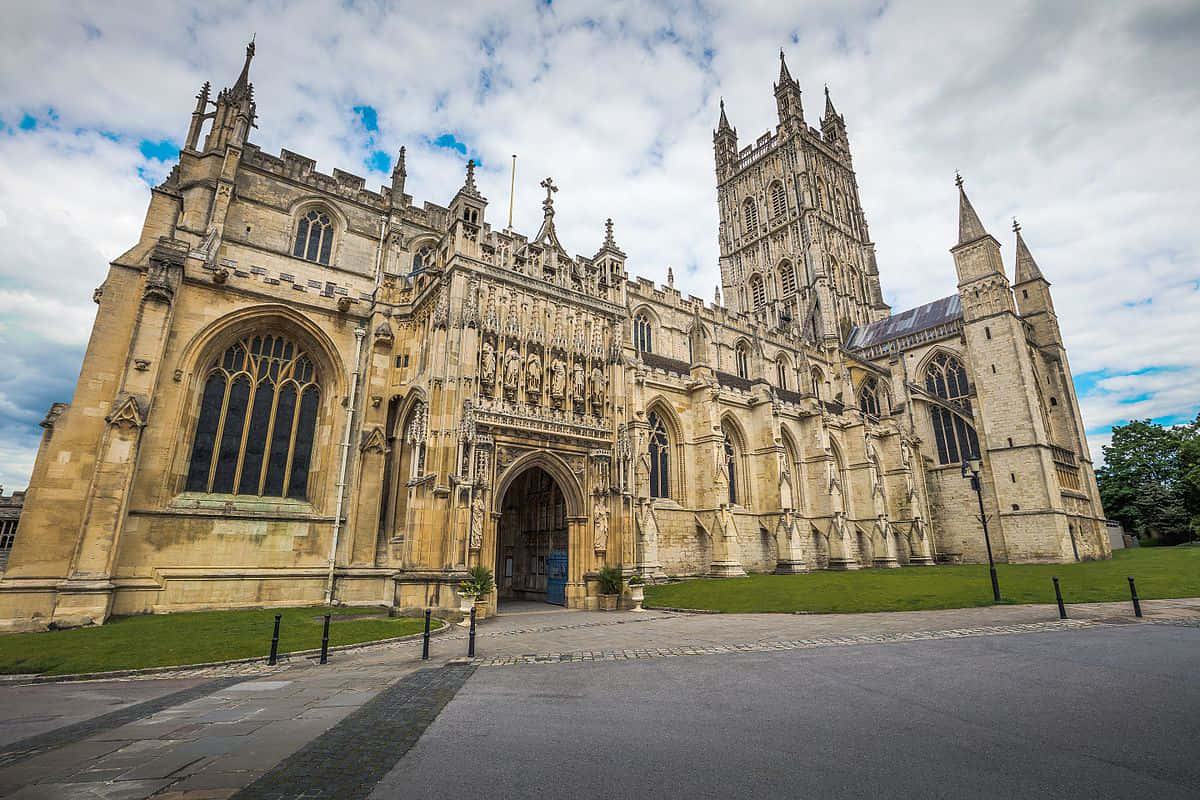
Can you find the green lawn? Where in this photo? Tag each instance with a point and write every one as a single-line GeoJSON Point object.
{"type": "Point", "coordinates": [161, 640]}
{"type": "Point", "coordinates": [1159, 571]}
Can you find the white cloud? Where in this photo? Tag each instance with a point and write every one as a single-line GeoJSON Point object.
{"type": "Point", "coordinates": [1080, 118]}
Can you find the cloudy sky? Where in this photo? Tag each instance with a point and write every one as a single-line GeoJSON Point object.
{"type": "Point", "coordinates": [1082, 119]}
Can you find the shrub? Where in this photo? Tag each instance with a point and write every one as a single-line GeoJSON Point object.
{"type": "Point", "coordinates": [610, 580]}
{"type": "Point", "coordinates": [480, 582]}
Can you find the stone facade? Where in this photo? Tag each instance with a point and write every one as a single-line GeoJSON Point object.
{"type": "Point", "coordinates": [299, 389]}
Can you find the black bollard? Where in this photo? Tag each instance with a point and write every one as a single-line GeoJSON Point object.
{"type": "Point", "coordinates": [1137, 606]}
{"type": "Point", "coordinates": [275, 643]}
{"type": "Point", "coordinates": [471, 637]}
{"type": "Point", "coordinates": [425, 641]}
{"type": "Point", "coordinates": [325, 642]}
{"type": "Point", "coordinates": [1062, 610]}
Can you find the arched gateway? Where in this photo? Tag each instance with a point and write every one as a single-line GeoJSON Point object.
{"type": "Point", "coordinates": [539, 521]}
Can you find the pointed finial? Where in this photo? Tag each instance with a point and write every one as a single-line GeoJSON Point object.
{"type": "Point", "coordinates": [723, 122]}
{"type": "Point", "coordinates": [1027, 268]}
{"type": "Point", "coordinates": [670, 277]}
{"type": "Point", "coordinates": [784, 75]}
{"type": "Point", "coordinates": [717, 295]}
{"type": "Point", "coordinates": [958, 181]}
{"type": "Point", "coordinates": [609, 241]}
{"type": "Point", "coordinates": [1016, 226]}
{"type": "Point", "coordinates": [469, 185]}
{"type": "Point", "coordinates": [400, 167]}
{"type": "Point", "coordinates": [243, 81]}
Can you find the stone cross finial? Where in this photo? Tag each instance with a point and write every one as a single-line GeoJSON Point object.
{"type": "Point", "coordinates": [1016, 226]}
{"type": "Point", "coordinates": [548, 203]}
{"type": "Point", "coordinates": [609, 241]}
{"type": "Point", "coordinates": [958, 181]}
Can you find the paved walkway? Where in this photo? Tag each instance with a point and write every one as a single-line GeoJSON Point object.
{"type": "Point", "coordinates": [208, 733]}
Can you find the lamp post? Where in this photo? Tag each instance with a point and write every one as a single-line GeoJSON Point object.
{"type": "Point", "coordinates": [971, 470]}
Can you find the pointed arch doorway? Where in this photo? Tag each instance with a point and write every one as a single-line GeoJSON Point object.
{"type": "Point", "coordinates": [532, 540]}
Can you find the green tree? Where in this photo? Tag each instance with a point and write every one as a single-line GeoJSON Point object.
{"type": "Point", "coordinates": [1150, 481]}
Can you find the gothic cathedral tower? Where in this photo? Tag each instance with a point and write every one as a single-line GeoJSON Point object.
{"type": "Point", "coordinates": [795, 249]}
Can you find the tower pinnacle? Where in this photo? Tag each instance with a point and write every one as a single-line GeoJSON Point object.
{"type": "Point", "coordinates": [243, 82]}
{"type": "Point", "coordinates": [1027, 268]}
{"type": "Point", "coordinates": [969, 226]}
{"type": "Point", "coordinates": [784, 75]}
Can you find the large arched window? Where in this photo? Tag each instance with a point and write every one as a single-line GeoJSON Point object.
{"type": "Point", "coordinates": [314, 236]}
{"type": "Point", "coordinates": [258, 417]}
{"type": "Point", "coordinates": [758, 292]}
{"type": "Point", "coordinates": [741, 357]}
{"type": "Point", "coordinates": [778, 200]}
{"type": "Point", "coordinates": [660, 457]}
{"type": "Point", "coordinates": [750, 215]}
{"type": "Point", "coordinates": [787, 279]}
{"type": "Point", "coordinates": [946, 378]}
{"type": "Point", "coordinates": [641, 333]}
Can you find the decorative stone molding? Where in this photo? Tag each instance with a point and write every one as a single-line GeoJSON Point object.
{"type": "Point", "coordinates": [127, 412]}
{"type": "Point", "coordinates": [374, 441]}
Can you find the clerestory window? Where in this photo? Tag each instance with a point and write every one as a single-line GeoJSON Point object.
{"type": "Point", "coordinates": [642, 333]}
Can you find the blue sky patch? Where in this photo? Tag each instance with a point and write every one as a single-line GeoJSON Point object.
{"type": "Point", "coordinates": [164, 150]}
{"type": "Point", "coordinates": [450, 142]}
{"type": "Point", "coordinates": [28, 123]}
{"type": "Point", "coordinates": [368, 117]}
{"type": "Point", "coordinates": [378, 161]}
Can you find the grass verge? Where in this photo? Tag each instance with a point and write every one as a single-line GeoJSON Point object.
{"type": "Point", "coordinates": [162, 640]}
{"type": "Point", "coordinates": [1160, 572]}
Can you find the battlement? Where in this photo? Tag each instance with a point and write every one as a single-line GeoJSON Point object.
{"type": "Point", "coordinates": [302, 169]}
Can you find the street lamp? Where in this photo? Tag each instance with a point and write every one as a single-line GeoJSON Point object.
{"type": "Point", "coordinates": [971, 470]}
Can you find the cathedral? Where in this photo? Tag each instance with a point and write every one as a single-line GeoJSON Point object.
{"type": "Point", "coordinates": [300, 390]}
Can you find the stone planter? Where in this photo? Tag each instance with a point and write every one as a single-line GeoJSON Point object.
{"type": "Point", "coordinates": [465, 603]}
{"type": "Point", "coordinates": [636, 595]}
{"type": "Point", "coordinates": [608, 602]}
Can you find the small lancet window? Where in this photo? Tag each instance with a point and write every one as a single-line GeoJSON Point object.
{"type": "Point", "coordinates": [778, 200]}
{"type": "Point", "coordinates": [781, 371]}
{"type": "Point", "coordinates": [314, 237]}
{"type": "Point", "coordinates": [742, 360]}
{"type": "Point", "coordinates": [787, 279]}
{"type": "Point", "coordinates": [642, 335]}
{"type": "Point", "coordinates": [758, 292]}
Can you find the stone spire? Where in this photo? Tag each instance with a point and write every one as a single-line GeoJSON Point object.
{"type": "Point", "coordinates": [243, 85]}
{"type": "Point", "coordinates": [969, 226]}
{"type": "Point", "coordinates": [723, 125]}
{"type": "Point", "coordinates": [670, 278]}
{"type": "Point", "coordinates": [399, 174]}
{"type": "Point", "coordinates": [717, 295]}
{"type": "Point", "coordinates": [787, 99]}
{"type": "Point", "coordinates": [1027, 268]}
{"type": "Point", "coordinates": [784, 75]}
{"type": "Point", "coordinates": [830, 111]}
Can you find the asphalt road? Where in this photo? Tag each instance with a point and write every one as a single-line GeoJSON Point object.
{"type": "Point", "coordinates": [1112, 711]}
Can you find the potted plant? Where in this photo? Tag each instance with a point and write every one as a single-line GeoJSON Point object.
{"type": "Point", "coordinates": [478, 584]}
{"type": "Point", "coordinates": [610, 587]}
{"type": "Point", "coordinates": [637, 592]}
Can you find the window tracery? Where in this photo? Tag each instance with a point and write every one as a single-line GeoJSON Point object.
{"type": "Point", "coordinates": [642, 333]}
{"type": "Point", "coordinates": [257, 420]}
{"type": "Point", "coordinates": [946, 378]}
{"type": "Point", "coordinates": [660, 459]}
{"type": "Point", "coordinates": [750, 215]}
{"type": "Point", "coordinates": [758, 292]}
{"type": "Point", "coordinates": [742, 360]}
{"type": "Point", "coordinates": [778, 200]}
{"type": "Point", "coordinates": [314, 236]}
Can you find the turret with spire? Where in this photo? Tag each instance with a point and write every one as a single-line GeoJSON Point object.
{"type": "Point", "coordinates": [725, 146]}
{"type": "Point", "coordinates": [235, 110]}
{"type": "Point", "coordinates": [977, 254]}
{"type": "Point", "coordinates": [466, 213]}
{"type": "Point", "coordinates": [1032, 292]}
{"type": "Point", "coordinates": [833, 127]}
{"type": "Point", "coordinates": [787, 99]}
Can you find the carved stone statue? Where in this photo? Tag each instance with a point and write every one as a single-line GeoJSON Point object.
{"type": "Point", "coordinates": [578, 389]}
{"type": "Point", "coordinates": [599, 383]}
{"type": "Point", "coordinates": [600, 513]}
{"type": "Point", "coordinates": [487, 372]}
{"type": "Point", "coordinates": [512, 368]}
{"type": "Point", "coordinates": [477, 509]}
{"type": "Point", "coordinates": [533, 375]}
{"type": "Point", "coordinates": [558, 378]}
{"type": "Point", "coordinates": [786, 499]}
{"type": "Point", "coordinates": [641, 469]}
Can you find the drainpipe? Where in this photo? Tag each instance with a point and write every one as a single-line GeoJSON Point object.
{"type": "Point", "coordinates": [359, 333]}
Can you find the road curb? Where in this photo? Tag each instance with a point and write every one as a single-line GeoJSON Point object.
{"type": "Point", "coordinates": [284, 658]}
